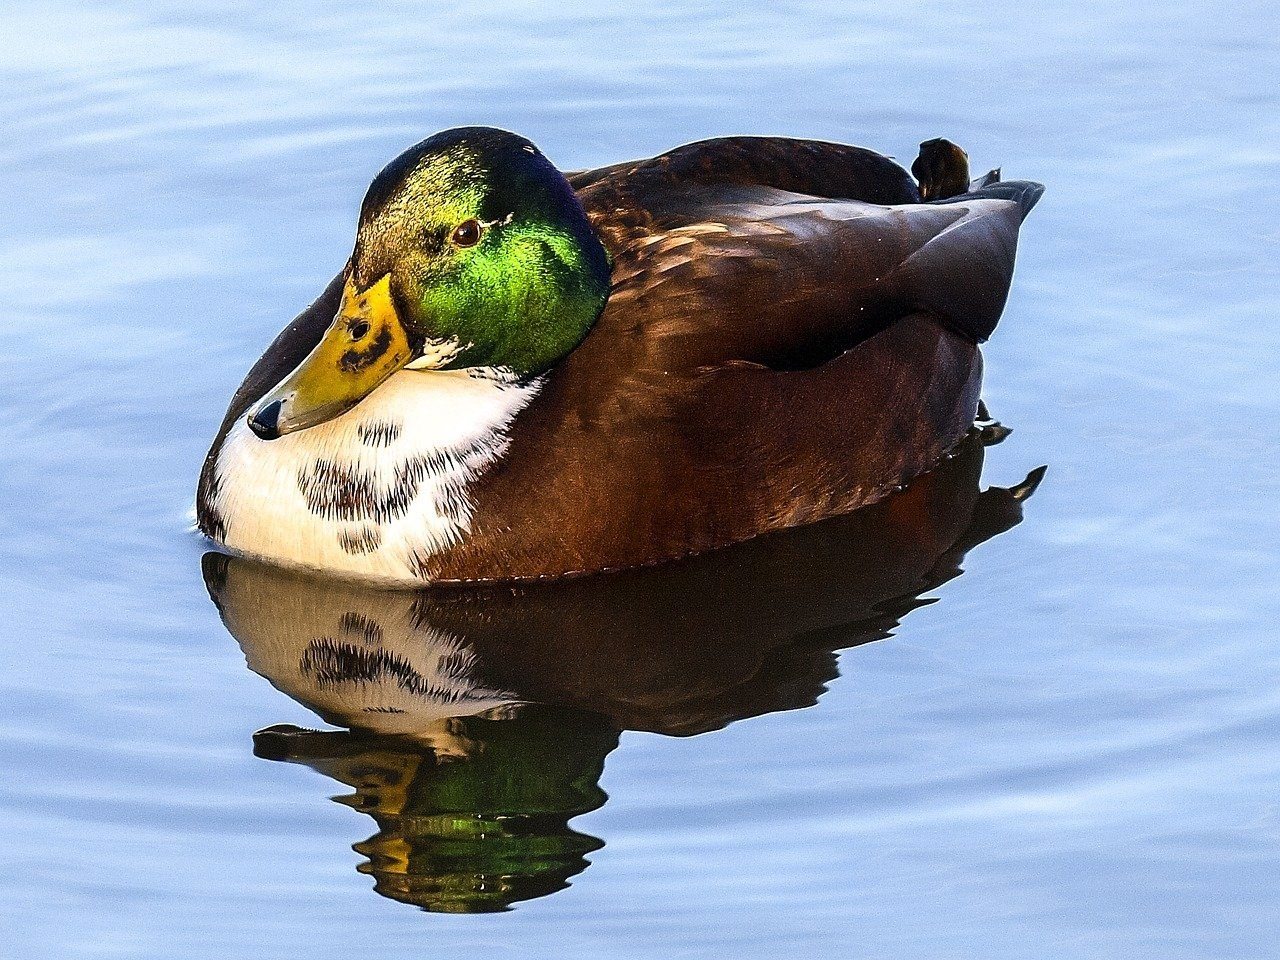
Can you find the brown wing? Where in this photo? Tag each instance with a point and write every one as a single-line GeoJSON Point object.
{"type": "Point", "coordinates": [789, 282]}
{"type": "Point", "coordinates": [663, 191]}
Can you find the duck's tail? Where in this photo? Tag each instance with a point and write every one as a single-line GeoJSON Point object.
{"type": "Point", "coordinates": [1025, 193]}
{"type": "Point", "coordinates": [962, 274]}
{"type": "Point", "coordinates": [942, 169]}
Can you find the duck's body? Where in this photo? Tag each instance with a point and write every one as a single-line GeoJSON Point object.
{"type": "Point", "coordinates": [790, 335]}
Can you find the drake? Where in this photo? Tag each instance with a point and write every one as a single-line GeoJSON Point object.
{"type": "Point", "coordinates": [524, 374]}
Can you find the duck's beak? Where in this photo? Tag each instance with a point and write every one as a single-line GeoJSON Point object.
{"type": "Point", "coordinates": [366, 343]}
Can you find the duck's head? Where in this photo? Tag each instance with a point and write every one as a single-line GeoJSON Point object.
{"type": "Point", "coordinates": [472, 251]}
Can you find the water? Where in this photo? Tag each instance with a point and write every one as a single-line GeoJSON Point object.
{"type": "Point", "coordinates": [1073, 752]}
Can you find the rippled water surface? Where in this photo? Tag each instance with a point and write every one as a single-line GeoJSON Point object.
{"type": "Point", "coordinates": [1071, 753]}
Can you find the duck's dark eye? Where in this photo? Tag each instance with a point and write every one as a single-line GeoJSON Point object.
{"type": "Point", "coordinates": [359, 329]}
{"type": "Point", "coordinates": [466, 234]}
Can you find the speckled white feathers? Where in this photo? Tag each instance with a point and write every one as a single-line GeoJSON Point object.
{"type": "Point", "coordinates": [374, 492]}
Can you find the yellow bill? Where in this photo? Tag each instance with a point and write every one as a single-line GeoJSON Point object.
{"type": "Point", "coordinates": [366, 343]}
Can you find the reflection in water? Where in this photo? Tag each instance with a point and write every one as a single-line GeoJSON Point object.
{"type": "Point", "coordinates": [473, 816]}
{"type": "Point", "coordinates": [479, 717]}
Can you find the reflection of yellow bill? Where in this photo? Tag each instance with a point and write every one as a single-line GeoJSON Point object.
{"type": "Point", "coordinates": [366, 343]}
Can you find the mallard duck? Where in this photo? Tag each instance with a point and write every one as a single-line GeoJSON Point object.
{"type": "Point", "coordinates": [525, 374]}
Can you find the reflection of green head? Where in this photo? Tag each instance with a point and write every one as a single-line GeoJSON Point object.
{"type": "Point", "coordinates": [486, 244]}
{"type": "Point", "coordinates": [467, 835]}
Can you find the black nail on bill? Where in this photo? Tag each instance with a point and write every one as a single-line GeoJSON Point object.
{"type": "Point", "coordinates": [265, 422]}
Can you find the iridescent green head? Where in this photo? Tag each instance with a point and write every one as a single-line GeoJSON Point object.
{"type": "Point", "coordinates": [472, 251]}
{"type": "Point", "coordinates": [485, 242]}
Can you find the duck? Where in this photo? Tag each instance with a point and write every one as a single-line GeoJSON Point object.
{"type": "Point", "coordinates": [527, 374]}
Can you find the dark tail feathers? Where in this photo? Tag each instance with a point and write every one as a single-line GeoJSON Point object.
{"type": "Point", "coordinates": [1025, 193]}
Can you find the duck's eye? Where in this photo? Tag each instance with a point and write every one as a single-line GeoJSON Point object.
{"type": "Point", "coordinates": [358, 329]}
{"type": "Point", "coordinates": [466, 234]}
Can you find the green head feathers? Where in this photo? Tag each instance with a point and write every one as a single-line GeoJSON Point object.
{"type": "Point", "coordinates": [485, 244]}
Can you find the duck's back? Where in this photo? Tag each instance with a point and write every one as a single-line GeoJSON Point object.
{"type": "Point", "coordinates": [791, 335]}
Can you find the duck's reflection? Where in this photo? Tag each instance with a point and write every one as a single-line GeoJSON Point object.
{"type": "Point", "coordinates": [478, 719]}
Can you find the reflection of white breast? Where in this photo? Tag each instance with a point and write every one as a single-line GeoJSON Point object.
{"type": "Point", "coordinates": [375, 492]}
{"type": "Point", "coordinates": [359, 658]}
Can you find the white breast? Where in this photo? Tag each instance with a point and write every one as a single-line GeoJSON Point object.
{"type": "Point", "coordinates": [375, 492]}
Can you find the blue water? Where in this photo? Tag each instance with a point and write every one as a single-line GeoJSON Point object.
{"type": "Point", "coordinates": [1073, 753]}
